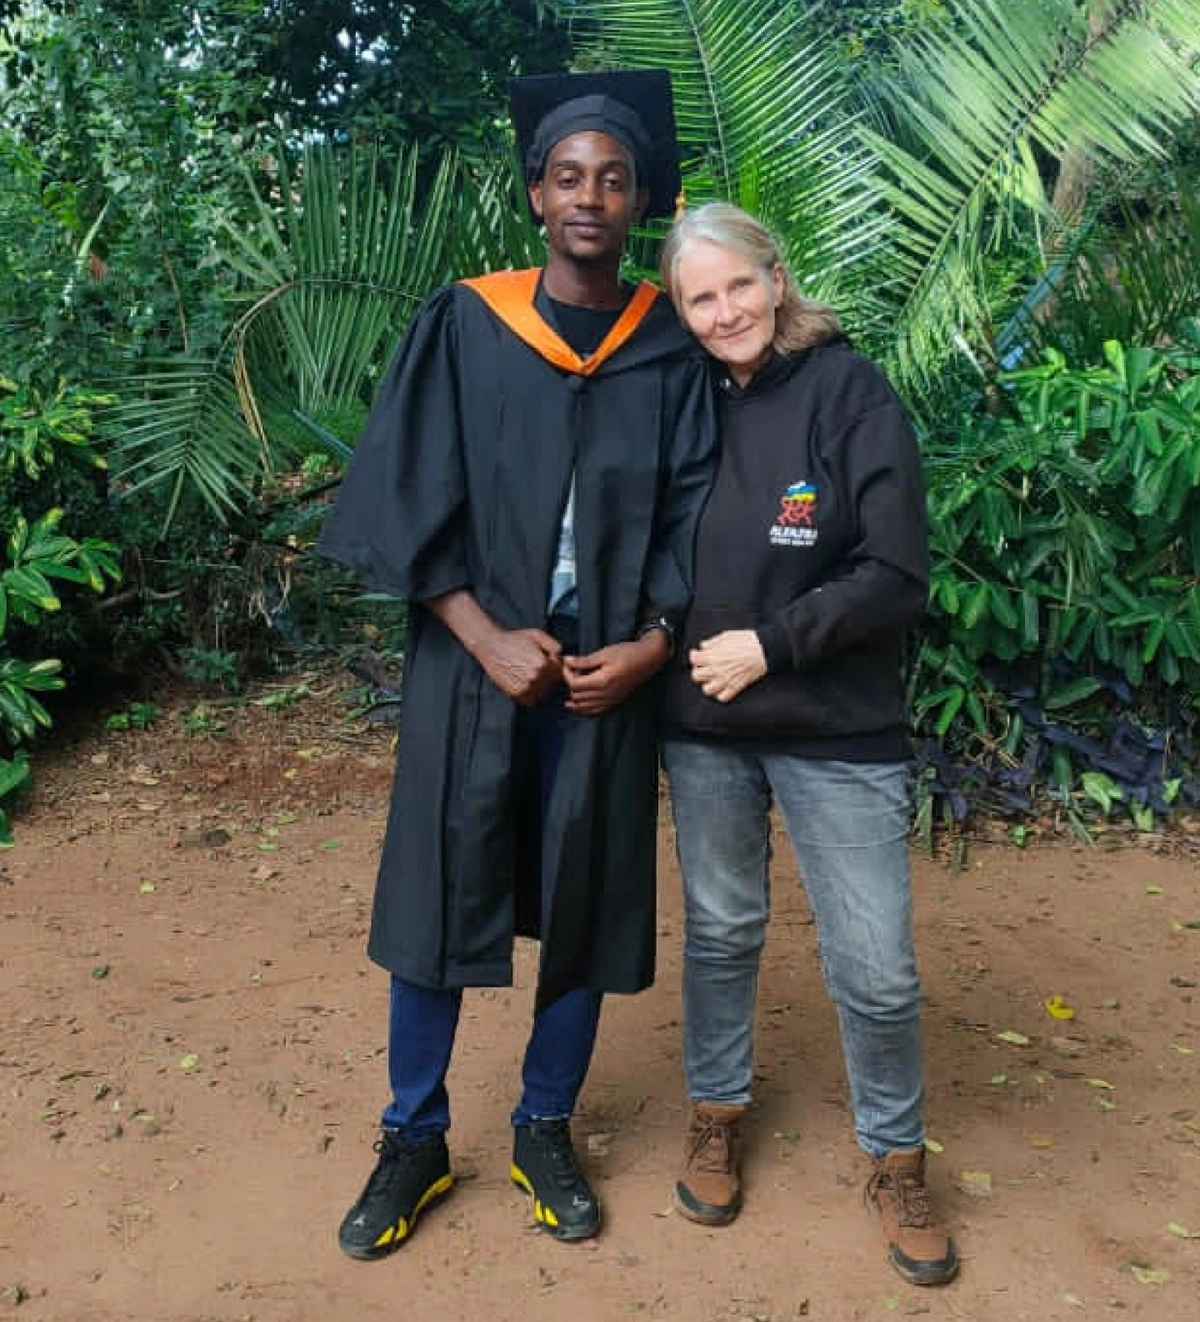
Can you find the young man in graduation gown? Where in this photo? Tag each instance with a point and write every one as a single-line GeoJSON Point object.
{"type": "Point", "coordinates": [529, 480]}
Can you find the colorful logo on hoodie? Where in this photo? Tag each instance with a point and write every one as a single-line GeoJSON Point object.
{"type": "Point", "coordinates": [795, 524]}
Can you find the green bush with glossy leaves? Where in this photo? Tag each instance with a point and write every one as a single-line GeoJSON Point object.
{"type": "Point", "coordinates": [1065, 530]}
{"type": "Point", "coordinates": [37, 558]}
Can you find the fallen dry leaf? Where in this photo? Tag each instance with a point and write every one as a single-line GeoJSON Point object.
{"type": "Point", "coordinates": [976, 1183]}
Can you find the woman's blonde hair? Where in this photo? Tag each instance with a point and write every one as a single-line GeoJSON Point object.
{"type": "Point", "coordinates": [799, 322]}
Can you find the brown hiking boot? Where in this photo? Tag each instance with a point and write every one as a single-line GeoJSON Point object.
{"type": "Point", "coordinates": [709, 1187]}
{"type": "Point", "coordinates": [919, 1249]}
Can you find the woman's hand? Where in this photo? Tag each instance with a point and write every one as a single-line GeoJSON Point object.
{"type": "Point", "coordinates": [727, 663]}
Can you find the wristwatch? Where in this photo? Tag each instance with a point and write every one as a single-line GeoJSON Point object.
{"type": "Point", "coordinates": [661, 623]}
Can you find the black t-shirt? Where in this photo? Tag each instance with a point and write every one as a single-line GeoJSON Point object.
{"type": "Point", "coordinates": [583, 329]}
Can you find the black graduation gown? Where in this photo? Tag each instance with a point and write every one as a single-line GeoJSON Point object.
{"type": "Point", "coordinates": [460, 481]}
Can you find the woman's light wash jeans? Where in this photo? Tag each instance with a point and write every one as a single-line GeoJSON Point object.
{"type": "Point", "coordinates": [848, 823]}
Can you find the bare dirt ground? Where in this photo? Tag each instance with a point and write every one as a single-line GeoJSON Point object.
{"type": "Point", "coordinates": [192, 1065]}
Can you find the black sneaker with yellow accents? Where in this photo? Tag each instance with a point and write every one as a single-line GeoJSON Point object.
{"type": "Point", "coordinates": [545, 1166]}
{"type": "Point", "coordinates": [407, 1178]}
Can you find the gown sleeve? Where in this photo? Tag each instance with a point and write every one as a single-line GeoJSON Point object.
{"type": "Point", "coordinates": [398, 518]}
{"type": "Point", "coordinates": [685, 479]}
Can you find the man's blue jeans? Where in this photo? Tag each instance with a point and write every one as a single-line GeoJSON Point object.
{"type": "Point", "coordinates": [423, 1020]}
{"type": "Point", "coordinates": [421, 1033]}
{"type": "Point", "coordinates": [848, 823]}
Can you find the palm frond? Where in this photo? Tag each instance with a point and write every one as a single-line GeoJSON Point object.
{"type": "Point", "coordinates": [178, 427]}
{"type": "Point", "coordinates": [349, 247]}
{"type": "Point", "coordinates": [1135, 281]}
{"type": "Point", "coordinates": [762, 110]}
{"type": "Point", "coordinates": [978, 104]}
{"type": "Point", "coordinates": [493, 227]}
{"type": "Point", "coordinates": [330, 272]}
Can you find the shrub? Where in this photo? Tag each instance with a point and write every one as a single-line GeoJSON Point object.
{"type": "Point", "coordinates": [34, 433]}
{"type": "Point", "coordinates": [1065, 634]}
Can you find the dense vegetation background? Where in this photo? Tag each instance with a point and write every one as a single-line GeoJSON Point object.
{"type": "Point", "coordinates": [216, 216]}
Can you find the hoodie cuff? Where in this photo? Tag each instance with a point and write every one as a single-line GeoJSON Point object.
{"type": "Point", "coordinates": [776, 647]}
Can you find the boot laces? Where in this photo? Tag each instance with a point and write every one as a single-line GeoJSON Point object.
{"type": "Point", "coordinates": [911, 1196]}
{"type": "Point", "coordinates": [711, 1146]}
{"type": "Point", "coordinates": [554, 1138]}
{"type": "Point", "coordinates": [393, 1151]}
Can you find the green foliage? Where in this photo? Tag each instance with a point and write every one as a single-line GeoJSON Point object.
{"type": "Point", "coordinates": [764, 122]}
{"type": "Point", "coordinates": [202, 721]}
{"type": "Point", "coordinates": [137, 716]}
{"type": "Point", "coordinates": [122, 130]}
{"type": "Point", "coordinates": [47, 312]}
{"type": "Point", "coordinates": [211, 667]}
{"type": "Point", "coordinates": [284, 697]}
{"type": "Point", "coordinates": [38, 553]}
{"type": "Point", "coordinates": [870, 30]}
{"type": "Point", "coordinates": [1136, 277]}
{"type": "Point", "coordinates": [33, 426]}
{"type": "Point", "coordinates": [127, 122]}
{"type": "Point", "coordinates": [434, 73]}
{"type": "Point", "coordinates": [36, 557]}
{"type": "Point", "coordinates": [1071, 522]}
{"type": "Point", "coordinates": [340, 252]}
{"type": "Point", "coordinates": [1066, 564]}
{"type": "Point", "coordinates": [14, 772]}
{"type": "Point", "coordinates": [902, 199]}
{"type": "Point", "coordinates": [967, 124]}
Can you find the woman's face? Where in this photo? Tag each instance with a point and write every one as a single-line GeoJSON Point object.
{"type": "Point", "coordinates": [729, 305]}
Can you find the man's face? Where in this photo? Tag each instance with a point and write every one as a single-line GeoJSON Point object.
{"type": "Point", "coordinates": [588, 197]}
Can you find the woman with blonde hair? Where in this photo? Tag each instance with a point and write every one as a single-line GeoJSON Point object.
{"type": "Point", "coordinates": [811, 566]}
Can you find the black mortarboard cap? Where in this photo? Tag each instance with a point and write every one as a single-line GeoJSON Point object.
{"type": "Point", "coordinates": [632, 105]}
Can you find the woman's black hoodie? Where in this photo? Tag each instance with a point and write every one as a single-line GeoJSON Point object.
{"type": "Point", "coordinates": [815, 536]}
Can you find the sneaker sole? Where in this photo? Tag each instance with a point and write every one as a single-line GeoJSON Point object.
{"type": "Point", "coordinates": [934, 1273]}
{"type": "Point", "coordinates": [917, 1273]}
{"type": "Point", "coordinates": [545, 1217]}
{"type": "Point", "coordinates": [402, 1231]}
{"type": "Point", "coordinates": [704, 1214]}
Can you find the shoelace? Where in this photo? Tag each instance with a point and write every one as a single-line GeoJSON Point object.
{"type": "Point", "coordinates": [556, 1141]}
{"type": "Point", "coordinates": [391, 1153]}
{"type": "Point", "coordinates": [912, 1198]}
{"type": "Point", "coordinates": [711, 1147]}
